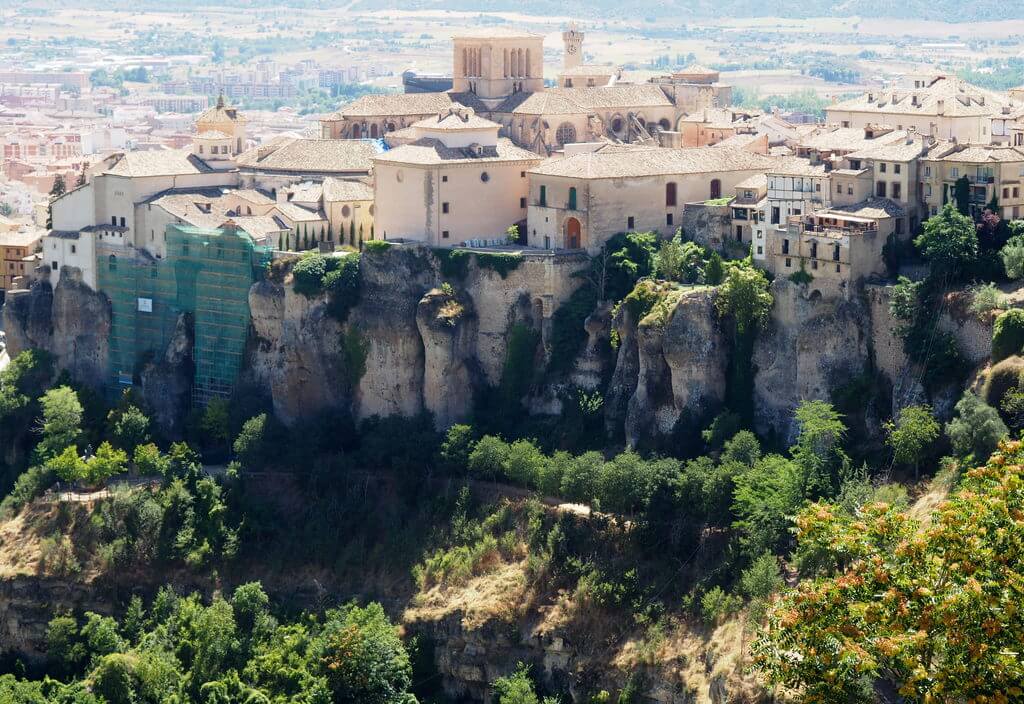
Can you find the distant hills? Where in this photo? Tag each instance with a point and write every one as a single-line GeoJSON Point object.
{"type": "Point", "coordinates": [681, 11]}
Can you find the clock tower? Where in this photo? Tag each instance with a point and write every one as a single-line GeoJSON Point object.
{"type": "Point", "coordinates": [572, 38]}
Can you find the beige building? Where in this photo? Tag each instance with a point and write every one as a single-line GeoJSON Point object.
{"type": "Point", "coordinates": [17, 247]}
{"type": "Point", "coordinates": [943, 107]}
{"type": "Point", "coordinates": [837, 247]}
{"type": "Point", "coordinates": [713, 125]}
{"type": "Point", "coordinates": [991, 171]}
{"type": "Point", "coordinates": [586, 198]}
{"type": "Point", "coordinates": [695, 88]}
{"type": "Point", "coordinates": [493, 64]}
{"type": "Point", "coordinates": [748, 208]}
{"type": "Point", "coordinates": [456, 181]}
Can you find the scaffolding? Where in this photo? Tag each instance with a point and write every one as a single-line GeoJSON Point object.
{"type": "Point", "coordinates": [202, 283]}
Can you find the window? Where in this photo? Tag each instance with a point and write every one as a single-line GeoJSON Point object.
{"type": "Point", "coordinates": [817, 187]}
{"type": "Point", "coordinates": [785, 247]}
{"type": "Point", "coordinates": [444, 179]}
{"type": "Point", "coordinates": [670, 195]}
{"type": "Point", "coordinates": [927, 172]}
{"type": "Point", "coordinates": [897, 191]}
{"type": "Point", "coordinates": [835, 253]}
{"type": "Point", "coordinates": [789, 262]}
{"type": "Point", "coordinates": [838, 268]}
{"type": "Point", "coordinates": [53, 265]}
{"type": "Point", "coordinates": [485, 177]}
{"type": "Point", "coordinates": [814, 263]}
{"type": "Point", "coordinates": [899, 226]}
{"type": "Point", "coordinates": [895, 168]}
{"type": "Point", "coordinates": [630, 223]}
{"type": "Point", "coordinates": [928, 190]}
{"type": "Point", "coordinates": [775, 215]}
{"type": "Point", "coordinates": [760, 249]}
{"type": "Point", "coordinates": [880, 189]}
{"type": "Point", "coordinates": [1006, 192]}
{"type": "Point", "coordinates": [565, 134]}
{"type": "Point", "coordinates": [444, 208]}
{"type": "Point", "coordinates": [522, 202]}
{"type": "Point", "coordinates": [572, 198]}
{"type": "Point", "coordinates": [739, 233]}
{"type": "Point", "coordinates": [1016, 191]}
{"type": "Point", "coordinates": [881, 167]}
{"type": "Point", "coordinates": [122, 222]}
{"type": "Point", "coordinates": [668, 219]}
{"type": "Point", "coordinates": [444, 234]}
{"type": "Point", "coordinates": [543, 196]}
{"type": "Point", "coordinates": [846, 123]}
{"type": "Point", "coordinates": [113, 220]}
{"type": "Point", "coordinates": [839, 188]}
{"type": "Point", "coordinates": [849, 190]}
{"type": "Point", "coordinates": [74, 249]}
{"type": "Point", "coordinates": [112, 263]}
{"type": "Point", "coordinates": [814, 250]}
{"type": "Point", "coordinates": [955, 172]}
{"type": "Point", "coordinates": [522, 174]}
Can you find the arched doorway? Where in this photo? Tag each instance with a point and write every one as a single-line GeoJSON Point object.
{"type": "Point", "coordinates": [356, 132]}
{"type": "Point", "coordinates": [716, 188]}
{"type": "Point", "coordinates": [572, 233]}
{"type": "Point", "coordinates": [373, 131]}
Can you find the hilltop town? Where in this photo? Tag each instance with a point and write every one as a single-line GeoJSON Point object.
{"type": "Point", "coordinates": [524, 374]}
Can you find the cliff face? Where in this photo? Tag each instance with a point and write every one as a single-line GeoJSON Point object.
{"type": "Point", "coordinates": [416, 347]}
{"type": "Point", "coordinates": [668, 371]}
{"type": "Point", "coordinates": [71, 321]}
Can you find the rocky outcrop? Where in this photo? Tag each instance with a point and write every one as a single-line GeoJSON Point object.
{"type": "Point", "coordinates": [447, 324]}
{"type": "Point", "coordinates": [668, 370]}
{"type": "Point", "coordinates": [810, 347]}
{"type": "Point", "coordinates": [71, 321]}
{"type": "Point", "coordinates": [167, 381]}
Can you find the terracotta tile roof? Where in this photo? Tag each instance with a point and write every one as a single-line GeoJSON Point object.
{"type": "Point", "coordinates": [398, 104]}
{"type": "Point", "coordinates": [653, 161]}
{"type": "Point", "coordinates": [221, 113]}
{"type": "Point", "coordinates": [259, 226]}
{"type": "Point", "coordinates": [900, 151]}
{"type": "Point", "coordinates": [796, 166]}
{"type": "Point", "coordinates": [313, 156]}
{"type": "Point", "coordinates": [428, 151]}
{"type": "Point", "coordinates": [849, 139]}
{"type": "Point", "coordinates": [336, 189]}
{"type": "Point", "coordinates": [755, 182]}
{"type": "Point", "coordinates": [454, 119]}
{"type": "Point", "coordinates": [21, 238]}
{"type": "Point", "coordinates": [976, 153]}
{"type": "Point", "coordinates": [546, 102]}
{"type": "Point", "coordinates": [252, 195]}
{"type": "Point", "coordinates": [162, 162]}
{"type": "Point", "coordinates": [580, 101]}
{"type": "Point", "coordinates": [296, 213]}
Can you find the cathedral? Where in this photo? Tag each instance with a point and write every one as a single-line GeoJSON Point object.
{"type": "Point", "coordinates": [500, 75]}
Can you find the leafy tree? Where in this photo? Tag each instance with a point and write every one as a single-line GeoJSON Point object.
{"type": "Point", "coordinates": [743, 447]}
{"type": "Point", "coordinates": [818, 450]}
{"type": "Point", "coordinates": [921, 605]}
{"type": "Point", "coordinates": [250, 446]}
{"type": "Point", "coordinates": [1008, 334]}
{"type": "Point", "coordinates": [766, 499]}
{"type": "Point", "coordinates": [744, 301]}
{"type": "Point", "coordinates": [216, 423]}
{"type": "Point", "coordinates": [949, 242]}
{"type": "Point", "coordinates": [364, 659]}
{"type": "Point", "coordinates": [1012, 255]}
{"type": "Point", "coordinates": [580, 477]}
{"type": "Point", "coordinates": [714, 270]}
{"type": "Point", "coordinates": [458, 444]}
{"type": "Point", "coordinates": [762, 578]}
{"type": "Point", "coordinates": [114, 679]}
{"type": "Point", "coordinates": [61, 422]}
{"type": "Point", "coordinates": [488, 458]}
{"type": "Point", "coordinates": [68, 465]}
{"type": "Point", "coordinates": [106, 463]}
{"type": "Point", "coordinates": [129, 427]}
{"type": "Point", "coordinates": [977, 427]}
{"type": "Point", "coordinates": [149, 461]}
{"type": "Point", "coordinates": [516, 688]}
{"type": "Point", "coordinates": [914, 431]}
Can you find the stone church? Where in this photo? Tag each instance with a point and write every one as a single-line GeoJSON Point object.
{"type": "Point", "coordinates": [500, 75]}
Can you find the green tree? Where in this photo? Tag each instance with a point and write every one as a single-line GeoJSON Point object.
{"type": "Point", "coordinates": [149, 461]}
{"type": "Point", "coordinates": [216, 422]}
{"type": "Point", "coordinates": [767, 498]}
{"type": "Point", "coordinates": [819, 448]}
{"type": "Point", "coordinates": [1012, 255]}
{"type": "Point", "coordinates": [949, 242]}
{"type": "Point", "coordinates": [251, 446]}
{"type": "Point", "coordinates": [516, 688]}
{"type": "Point", "coordinates": [106, 463]}
{"type": "Point", "coordinates": [976, 429]}
{"type": "Point", "coordinates": [458, 444]}
{"type": "Point", "coordinates": [489, 458]}
{"type": "Point", "coordinates": [364, 658]}
{"type": "Point", "coordinates": [913, 433]}
{"type": "Point", "coordinates": [61, 422]}
{"type": "Point", "coordinates": [129, 427]}
{"type": "Point", "coordinates": [1008, 334]}
{"type": "Point", "coordinates": [68, 465]}
{"type": "Point", "coordinates": [962, 196]}
{"type": "Point", "coordinates": [744, 301]}
{"type": "Point", "coordinates": [921, 605]}
{"type": "Point", "coordinates": [580, 477]}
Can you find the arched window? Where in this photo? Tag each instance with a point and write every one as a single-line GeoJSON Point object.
{"type": "Point", "coordinates": [617, 124]}
{"type": "Point", "coordinates": [345, 211]}
{"type": "Point", "coordinates": [356, 132]}
{"type": "Point", "coordinates": [670, 194]}
{"type": "Point", "coordinates": [112, 262]}
{"type": "Point", "coordinates": [572, 198]}
{"type": "Point", "coordinates": [664, 124]}
{"type": "Point", "coordinates": [565, 134]}
{"type": "Point", "coordinates": [373, 131]}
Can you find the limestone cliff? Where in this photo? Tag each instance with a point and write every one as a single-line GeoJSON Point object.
{"type": "Point", "coordinates": [71, 321]}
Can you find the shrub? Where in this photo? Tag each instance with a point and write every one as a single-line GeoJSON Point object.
{"type": "Point", "coordinates": [1012, 255]}
{"type": "Point", "coordinates": [1001, 379]}
{"type": "Point", "coordinates": [716, 605]}
{"type": "Point", "coordinates": [580, 477]}
{"type": "Point", "coordinates": [342, 285]}
{"type": "Point", "coordinates": [503, 263]}
{"type": "Point", "coordinates": [724, 426]}
{"type": "Point", "coordinates": [489, 457]}
{"type": "Point", "coordinates": [458, 444]}
{"type": "Point", "coordinates": [30, 484]}
{"type": "Point", "coordinates": [977, 427]}
{"type": "Point", "coordinates": [377, 246]}
{"type": "Point", "coordinates": [762, 578]}
{"type": "Point", "coordinates": [801, 276]}
{"type": "Point", "coordinates": [308, 274]}
{"type": "Point", "coordinates": [986, 298]}
{"type": "Point", "coordinates": [1008, 334]}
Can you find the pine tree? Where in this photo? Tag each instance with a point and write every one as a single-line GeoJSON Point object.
{"type": "Point", "coordinates": [360, 236]}
{"type": "Point", "coordinates": [352, 233]}
{"type": "Point", "coordinates": [59, 187]}
{"type": "Point", "coordinates": [330, 232]}
{"type": "Point", "coordinates": [280, 242]}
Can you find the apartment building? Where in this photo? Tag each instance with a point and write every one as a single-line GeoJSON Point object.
{"type": "Point", "coordinates": [991, 171]}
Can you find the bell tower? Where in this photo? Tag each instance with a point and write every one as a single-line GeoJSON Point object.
{"type": "Point", "coordinates": [572, 38]}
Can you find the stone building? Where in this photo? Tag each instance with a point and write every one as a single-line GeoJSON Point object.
{"type": "Point", "coordinates": [500, 76]}
{"type": "Point", "coordinates": [991, 171]}
{"type": "Point", "coordinates": [589, 196]}
{"type": "Point", "coordinates": [456, 180]}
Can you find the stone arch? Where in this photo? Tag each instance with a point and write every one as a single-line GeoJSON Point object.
{"type": "Point", "coordinates": [573, 234]}
{"type": "Point", "coordinates": [664, 124]}
{"type": "Point", "coordinates": [356, 132]}
{"type": "Point", "coordinates": [374, 132]}
{"type": "Point", "coordinates": [617, 124]}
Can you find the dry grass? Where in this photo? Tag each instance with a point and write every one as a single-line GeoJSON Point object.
{"type": "Point", "coordinates": [499, 594]}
